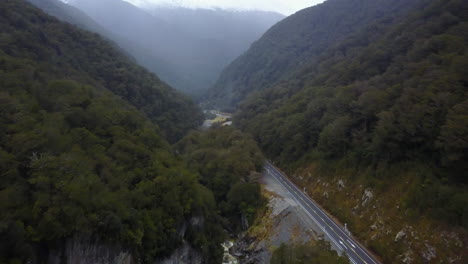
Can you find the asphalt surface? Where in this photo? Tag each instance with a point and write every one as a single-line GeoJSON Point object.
{"type": "Point", "coordinates": [346, 244]}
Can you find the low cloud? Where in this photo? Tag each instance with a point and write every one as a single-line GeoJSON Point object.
{"type": "Point", "coordinates": [286, 7]}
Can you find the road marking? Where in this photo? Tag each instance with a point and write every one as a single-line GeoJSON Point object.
{"type": "Point", "coordinates": [341, 242]}
{"type": "Point", "coordinates": [313, 218]}
{"type": "Point", "coordinates": [308, 202]}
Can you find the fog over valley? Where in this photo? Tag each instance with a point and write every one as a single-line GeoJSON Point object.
{"type": "Point", "coordinates": [233, 131]}
{"type": "Point", "coordinates": [286, 7]}
{"type": "Point", "coordinates": [185, 47]}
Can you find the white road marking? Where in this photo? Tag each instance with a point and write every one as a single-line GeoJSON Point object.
{"type": "Point", "coordinates": [351, 243]}
{"type": "Point", "coordinates": [308, 202]}
{"type": "Point", "coordinates": [341, 242]}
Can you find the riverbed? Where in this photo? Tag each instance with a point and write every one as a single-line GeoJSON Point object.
{"type": "Point", "coordinates": [227, 257]}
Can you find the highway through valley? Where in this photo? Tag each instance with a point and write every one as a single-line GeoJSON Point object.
{"type": "Point", "coordinates": [340, 238]}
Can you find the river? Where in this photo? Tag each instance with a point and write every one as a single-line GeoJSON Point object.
{"type": "Point", "coordinates": [227, 257]}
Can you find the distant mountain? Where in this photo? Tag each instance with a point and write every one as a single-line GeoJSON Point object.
{"type": "Point", "coordinates": [234, 30]}
{"type": "Point", "coordinates": [196, 53]}
{"type": "Point", "coordinates": [295, 42]}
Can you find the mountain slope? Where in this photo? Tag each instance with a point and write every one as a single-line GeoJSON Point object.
{"type": "Point", "coordinates": [384, 111]}
{"type": "Point", "coordinates": [173, 112]}
{"type": "Point", "coordinates": [142, 56]}
{"type": "Point", "coordinates": [78, 160]}
{"type": "Point", "coordinates": [67, 13]}
{"type": "Point", "coordinates": [297, 41]}
{"type": "Point", "coordinates": [192, 56]}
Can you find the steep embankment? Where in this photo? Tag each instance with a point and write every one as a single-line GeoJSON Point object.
{"type": "Point", "coordinates": [282, 226]}
{"type": "Point", "coordinates": [385, 110]}
{"type": "Point", "coordinates": [297, 41]}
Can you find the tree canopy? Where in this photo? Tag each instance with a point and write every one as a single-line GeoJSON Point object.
{"type": "Point", "coordinates": [84, 147]}
{"type": "Point", "coordinates": [390, 93]}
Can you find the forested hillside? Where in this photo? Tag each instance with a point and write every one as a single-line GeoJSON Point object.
{"type": "Point", "coordinates": [141, 55]}
{"type": "Point", "coordinates": [83, 149]}
{"type": "Point", "coordinates": [296, 41]}
{"type": "Point", "coordinates": [92, 60]}
{"type": "Point", "coordinates": [386, 106]}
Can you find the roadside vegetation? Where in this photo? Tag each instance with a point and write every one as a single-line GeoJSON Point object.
{"type": "Point", "coordinates": [316, 252]}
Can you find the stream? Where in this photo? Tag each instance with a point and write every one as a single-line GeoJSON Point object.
{"type": "Point", "coordinates": [227, 257]}
{"type": "Point", "coordinates": [222, 118]}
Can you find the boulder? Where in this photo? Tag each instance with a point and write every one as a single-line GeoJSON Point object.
{"type": "Point", "coordinates": [408, 257]}
{"type": "Point", "coordinates": [341, 185]}
{"type": "Point", "coordinates": [367, 197]}
{"type": "Point", "coordinates": [400, 235]}
{"type": "Point", "coordinates": [325, 194]}
{"type": "Point", "coordinates": [429, 253]}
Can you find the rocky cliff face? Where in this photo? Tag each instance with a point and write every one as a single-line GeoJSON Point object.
{"type": "Point", "coordinates": [184, 255]}
{"type": "Point", "coordinates": [81, 250]}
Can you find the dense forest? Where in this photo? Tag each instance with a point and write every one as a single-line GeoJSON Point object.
{"type": "Point", "coordinates": [297, 41]}
{"type": "Point", "coordinates": [139, 54]}
{"type": "Point", "coordinates": [386, 95]}
{"type": "Point", "coordinates": [228, 163]}
{"type": "Point", "coordinates": [363, 102]}
{"type": "Point", "coordinates": [71, 51]}
{"type": "Point", "coordinates": [85, 152]}
{"type": "Point", "coordinates": [392, 97]}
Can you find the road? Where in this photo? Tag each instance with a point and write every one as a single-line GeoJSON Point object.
{"type": "Point", "coordinates": [336, 234]}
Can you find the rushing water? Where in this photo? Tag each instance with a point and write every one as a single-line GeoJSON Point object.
{"type": "Point", "coordinates": [228, 258]}
{"type": "Point", "coordinates": [223, 118]}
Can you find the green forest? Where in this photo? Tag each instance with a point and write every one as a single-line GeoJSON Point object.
{"type": "Point", "coordinates": [59, 49]}
{"type": "Point", "coordinates": [349, 97]}
{"type": "Point", "coordinates": [85, 150]}
{"type": "Point", "coordinates": [395, 93]}
{"type": "Point", "coordinates": [228, 163]}
{"type": "Point", "coordinates": [297, 41]}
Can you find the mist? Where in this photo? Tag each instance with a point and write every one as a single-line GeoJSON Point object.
{"type": "Point", "coordinates": [191, 46]}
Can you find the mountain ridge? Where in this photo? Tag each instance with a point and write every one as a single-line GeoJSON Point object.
{"type": "Point", "coordinates": [296, 41]}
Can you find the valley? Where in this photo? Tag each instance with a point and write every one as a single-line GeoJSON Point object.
{"type": "Point", "coordinates": [154, 132]}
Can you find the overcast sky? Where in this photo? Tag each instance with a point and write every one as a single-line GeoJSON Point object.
{"type": "Point", "coordinates": [286, 7]}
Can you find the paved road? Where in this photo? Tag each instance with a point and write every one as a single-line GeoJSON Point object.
{"type": "Point", "coordinates": [337, 235]}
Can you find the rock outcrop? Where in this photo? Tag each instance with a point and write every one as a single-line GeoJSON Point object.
{"type": "Point", "coordinates": [183, 255]}
{"type": "Point", "coordinates": [82, 250]}
{"type": "Point", "coordinates": [400, 235]}
{"type": "Point", "coordinates": [367, 197]}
